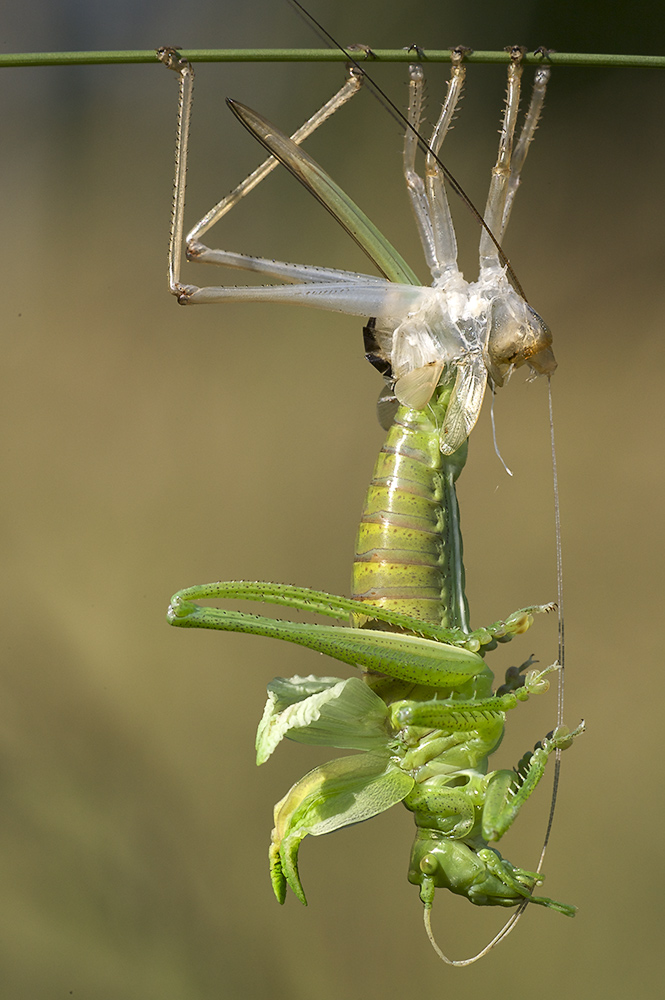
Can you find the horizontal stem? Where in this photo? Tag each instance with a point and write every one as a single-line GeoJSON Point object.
{"type": "Point", "coordinates": [319, 55]}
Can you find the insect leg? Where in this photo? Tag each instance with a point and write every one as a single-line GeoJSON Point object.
{"type": "Point", "coordinates": [197, 251]}
{"type": "Point", "coordinates": [442, 226]}
{"type": "Point", "coordinates": [350, 88]}
{"type": "Point", "coordinates": [508, 790]}
{"type": "Point", "coordinates": [172, 60]}
{"type": "Point", "coordinates": [529, 127]}
{"type": "Point", "coordinates": [494, 209]}
{"type": "Point", "coordinates": [414, 182]}
{"type": "Point", "coordinates": [428, 199]}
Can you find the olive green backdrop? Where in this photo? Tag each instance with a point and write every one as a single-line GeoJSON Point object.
{"type": "Point", "coordinates": [148, 447]}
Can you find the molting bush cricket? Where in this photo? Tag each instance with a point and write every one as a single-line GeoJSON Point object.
{"type": "Point", "coordinates": [425, 716]}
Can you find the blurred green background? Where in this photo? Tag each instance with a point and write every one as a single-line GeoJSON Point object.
{"type": "Point", "coordinates": [148, 447]}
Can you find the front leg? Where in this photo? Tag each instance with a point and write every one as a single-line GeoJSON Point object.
{"type": "Point", "coordinates": [472, 713]}
{"type": "Point", "coordinates": [507, 791]}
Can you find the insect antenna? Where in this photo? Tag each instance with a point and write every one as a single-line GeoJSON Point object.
{"type": "Point", "coordinates": [561, 641]}
{"type": "Point", "coordinates": [497, 939]}
{"type": "Point", "coordinates": [389, 105]}
{"type": "Point", "coordinates": [496, 443]}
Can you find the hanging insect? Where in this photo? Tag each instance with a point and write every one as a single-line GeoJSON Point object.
{"type": "Point", "coordinates": [424, 716]}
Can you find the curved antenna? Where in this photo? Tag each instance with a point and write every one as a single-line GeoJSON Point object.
{"type": "Point", "coordinates": [561, 655]}
{"type": "Point", "coordinates": [509, 926]}
{"type": "Point", "coordinates": [497, 452]}
{"type": "Point", "coordinates": [395, 113]}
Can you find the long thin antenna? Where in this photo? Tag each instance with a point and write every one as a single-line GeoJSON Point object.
{"type": "Point", "coordinates": [561, 654]}
{"type": "Point", "coordinates": [509, 926]}
{"type": "Point", "coordinates": [395, 112]}
{"type": "Point", "coordinates": [496, 443]}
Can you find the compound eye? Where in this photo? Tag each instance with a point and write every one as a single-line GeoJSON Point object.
{"type": "Point", "coordinates": [539, 354]}
{"type": "Point", "coordinates": [428, 864]}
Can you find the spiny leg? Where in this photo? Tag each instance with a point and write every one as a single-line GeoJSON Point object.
{"type": "Point", "coordinates": [472, 714]}
{"type": "Point", "coordinates": [494, 209]}
{"type": "Point", "coordinates": [529, 127]}
{"type": "Point", "coordinates": [414, 182]}
{"type": "Point", "coordinates": [442, 226]}
{"type": "Point", "coordinates": [185, 613]}
{"type": "Point", "coordinates": [430, 204]}
{"type": "Point", "coordinates": [506, 173]}
{"type": "Point", "coordinates": [508, 790]}
{"type": "Point", "coordinates": [350, 88]}
{"type": "Point", "coordinates": [171, 58]}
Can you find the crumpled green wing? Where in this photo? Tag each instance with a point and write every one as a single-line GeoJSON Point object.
{"type": "Point", "coordinates": [342, 792]}
{"type": "Point", "coordinates": [324, 711]}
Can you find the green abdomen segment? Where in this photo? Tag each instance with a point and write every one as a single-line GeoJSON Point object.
{"type": "Point", "coordinates": [409, 547]}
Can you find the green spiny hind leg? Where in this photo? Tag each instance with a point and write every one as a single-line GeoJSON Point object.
{"type": "Point", "coordinates": [507, 791]}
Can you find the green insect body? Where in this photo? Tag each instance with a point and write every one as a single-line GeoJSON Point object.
{"type": "Point", "coordinates": [423, 717]}
{"type": "Point", "coordinates": [409, 547]}
{"type": "Point", "coordinates": [409, 558]}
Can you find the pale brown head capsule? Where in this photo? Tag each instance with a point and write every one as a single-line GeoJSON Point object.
{"type": "Point", "coordinates": [517, 336]}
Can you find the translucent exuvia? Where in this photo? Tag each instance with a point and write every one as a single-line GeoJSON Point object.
{"type": "Point", "coordinates": [474, 332]}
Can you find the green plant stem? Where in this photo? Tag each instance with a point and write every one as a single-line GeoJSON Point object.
{"type": "Point", "coordinates": [319, 55]}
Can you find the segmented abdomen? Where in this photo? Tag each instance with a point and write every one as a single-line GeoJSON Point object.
{"type": "Point", "coordinates": [409, 547]}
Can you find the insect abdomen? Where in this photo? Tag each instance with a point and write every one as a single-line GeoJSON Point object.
{"type": "Point", "coordinates": [410, 524]}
